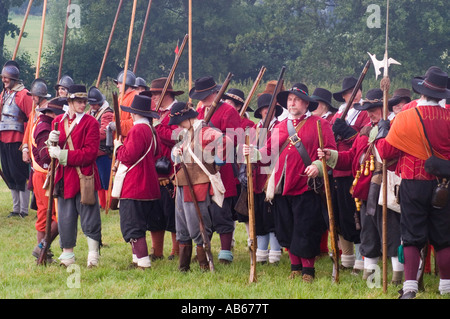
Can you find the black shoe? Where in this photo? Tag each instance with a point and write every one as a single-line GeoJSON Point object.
{"type": "Point", "coordinates": [407, 295]}
{"type": "Point", "coordinates": [13, 214]}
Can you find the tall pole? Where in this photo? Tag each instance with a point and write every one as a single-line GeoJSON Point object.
{"type": "Point", "coordinates": [142, 36]}
{"type": "Point", "coordinates": [22, 29]}
{"type": "Point", "coordinates": [190, 46]}
{"type": "Point", "coordinates": [63, 42]}
{"type": "Point", "coordinates": [127, 56]}
{"type": "Point", "coordinates": [41, 40]}
{"type": "Point", "coordinates": [385, 84]}
{"type": "Point", "coordinates": [109, 42]}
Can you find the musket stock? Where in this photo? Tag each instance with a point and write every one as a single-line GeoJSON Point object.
{"type": "Point", "coordinates": [333, 233]}
{"type": "Point", "coordinates": [251, 216]}
{"type": "Point", "coordinates": [42, 259]}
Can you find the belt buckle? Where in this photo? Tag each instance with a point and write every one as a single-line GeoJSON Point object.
{"type": "Point", "coordinates": [294, 139]}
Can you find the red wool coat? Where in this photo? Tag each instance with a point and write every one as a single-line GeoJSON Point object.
{"type": "Point", "coordinates": [289, 164]}
{"type": "Point", "coordinates": [225, 117]}
{"type": "Point", "coordinates": [361, 121]}
{"type": "Point", "coordinates": [86, 141]}
{"type": "Point", "coordinates": [141, 182]}
{"type": "Point", "coordinates": [165, 134]}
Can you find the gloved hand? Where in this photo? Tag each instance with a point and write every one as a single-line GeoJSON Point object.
{"type": "Point", "coordinates": [383, 128]}
{"type": "Point", "coordinates": [342, 129]}
{"type": "Point", "coordinates": [59, 154]}
{"type": "Point", "coordinates": [53, 137]}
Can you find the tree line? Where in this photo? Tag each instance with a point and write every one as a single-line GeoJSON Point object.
{"type": "Point", "coordinates": [319, 41]}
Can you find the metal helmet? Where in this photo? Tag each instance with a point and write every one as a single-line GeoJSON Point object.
{"type": "Point", "coordinates": [95, 96]}
{"type": "Point", "coordinates": [65, 81]}
{"type": "Point", "coordinates": [39, 88]}
{"type": "Point", "coordinates": [141, 82]}
{"type": "Point", "coordinates": [11, 71]}
{"type": "Point", "coordinates": [130, 80]}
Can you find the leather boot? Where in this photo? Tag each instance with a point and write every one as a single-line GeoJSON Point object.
{"type": "Point", "coordinates": [185, 257]}
{"type": "Point", "coordinates": [201, 257]}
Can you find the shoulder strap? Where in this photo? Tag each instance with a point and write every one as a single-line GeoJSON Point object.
{"type": "Point", "coordinates": [297, 142]}
{"type": "Point", "coordinates": [424, 131]}
{"type": "Point", "coordinates": [143, 156]}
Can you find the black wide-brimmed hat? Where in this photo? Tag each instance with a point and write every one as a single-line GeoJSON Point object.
{"type": "Point", "coordinates": [300, 90]}
{"type": "Point", "coordinates": [77, 91]}
{"type": "Point", "coordinates": [348, 83]}
{"type": "Point", "coordinates": [55, 105]}
{"type": "Point", "coordinates": [203, 87]}
{"type": "Point", "coordinates": [434, 85]}
{"type": "Point", "coordinates": [374, 98]}
{"type": "Point", "coordinates": [181, 111]}
{"type": "Point", "coordinates": [263, 102]}
{"type": "Point", "coordinates": [141, 105]}
{"type": "Point", "coordinates": [323, 95]}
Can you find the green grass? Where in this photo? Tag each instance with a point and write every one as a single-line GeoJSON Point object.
{"type": "Point", "coordinates": [20, 277]}
{"type": "Point", "coordinates": [32, 33]}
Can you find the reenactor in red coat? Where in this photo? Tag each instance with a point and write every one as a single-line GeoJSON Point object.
{"type": "Point", "coordinates": [78, 141]}
{"type": "Point", "coordinates": [164, 164]}
{"type": "Point", "coordinates": [415, 134]}
{"type": "Point", "coordinates": [139, 206]}
{"type": "Point", "coordinates": [344, 207]}
{"type": "Point", "coordinates": [366, 166]}
{"type": "Point", "coordinates": [298, 208]}
{"type": "Point", "coordinates": [227, 120]}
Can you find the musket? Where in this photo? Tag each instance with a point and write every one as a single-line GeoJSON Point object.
{"type": "Point", "coordinates": [252, 91]}
{"type": "Point", "coordinates": [171, 73]}
{"type": "Point", "coordinates": [384, 85]}
{"type": "Point", "coordinates": [251, 216]}
{"type": "Point", "coordinates": [272, 107]}
{"type": "Point", "coordinates": [205, 238]}
{"type": "Point", "coordinates": [109, 200]}
{"type": "Point", "coordinates": [355, 90]}
{"type": "Point", "coordinates": [138, 53]}
{"type": "Point", "coordinates": [332, 222]}
{"type": "Point", "coordinates": [48, 223]}
{"type": "Point", "coordinates": [216, 101]}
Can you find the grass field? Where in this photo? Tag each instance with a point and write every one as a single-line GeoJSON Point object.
{"type": "Point", "coordinates": [30, 43]}
{"type": "Point", "coordinates": [21, 278]}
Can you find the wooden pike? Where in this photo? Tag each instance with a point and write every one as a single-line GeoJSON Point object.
{"type": "Point", "coordinates": [22, 29]}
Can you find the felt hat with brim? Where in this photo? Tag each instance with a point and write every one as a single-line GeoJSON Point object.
{"type": "Point", "coordinates": [203, 87]}
{"type": "Point", "coordinates": [237, 96]}
{"type": "Point", "coordinates": [434, 85]}
{"type": "Point", "coordinates": [157, 86]}
{"type": "Point", "coordinates": [77, 91]}
{"type": "Point", "coordinates": [323, 95]}
{"type": "Point", "coordinates": [181, 111]}
{"type": "Point", "coordinates": [348, 83]}
{"type": "Point", "coordinates": [263, 102]}
{"type": "Point", "coordinates": [374, 98]}
{"type": "Point", "coordinates": [55, 105]}
{"type": "Point", "coordinates": [399, 95]}
{"type": "Point", "coordinates": [141, 105]}
{"type": "Point", "coordinates": [300, 90]}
